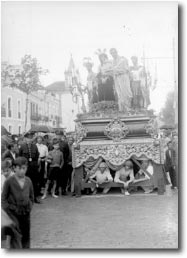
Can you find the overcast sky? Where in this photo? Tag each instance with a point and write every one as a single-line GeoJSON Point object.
{"type": "Point", "coordinates": [51, 31]}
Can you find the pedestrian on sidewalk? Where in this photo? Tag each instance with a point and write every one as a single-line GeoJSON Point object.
{"type": "Point", "coordinates": [56, 161]}
{"type": "Point", "coordinates": [18, 199]}
{"type": "Point", "coordinates": [170, 164]}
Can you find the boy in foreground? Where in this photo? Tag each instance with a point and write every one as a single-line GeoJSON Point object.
{"type": "Point", "coordinates": [18, 199]}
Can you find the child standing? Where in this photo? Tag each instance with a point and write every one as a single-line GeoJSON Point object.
{"type": "Point", "coordinates": [6, 171]}
{"type": "Point", "coordinates": [56, 161]}
{"type": "Point", "coordinates": [18, 198]}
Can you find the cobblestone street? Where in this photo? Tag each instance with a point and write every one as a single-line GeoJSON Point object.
{"type": "Point", "coordinates": [109, 221]}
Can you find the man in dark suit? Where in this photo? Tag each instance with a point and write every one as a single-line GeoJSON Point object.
{"type": "Point", "coordinates": [170, 163]}
{"type": "Point", "coordinates": [64, 148]}
{"type": "Point", "coordinates": [30, 151]}
{"type": "Point", "coordinates": [10, 153]}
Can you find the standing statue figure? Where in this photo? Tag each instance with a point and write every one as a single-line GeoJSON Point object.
{"type": "Point", "coordinates": [121, 80]}
{"type": "Point", "coordinates": [105, 78]}
{"type": "Point", "coordinates": [139, 85]}
{"type": "Point", "coordinates": [92, 86]}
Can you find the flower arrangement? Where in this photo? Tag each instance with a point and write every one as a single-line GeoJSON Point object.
{"type": "Point", "coordinates": [106, 106]}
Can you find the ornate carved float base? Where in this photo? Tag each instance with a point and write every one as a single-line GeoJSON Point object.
{"type": "Point", "coordinates": [116, 139]}
{"type": "Point", "coordinates": [117, 152]}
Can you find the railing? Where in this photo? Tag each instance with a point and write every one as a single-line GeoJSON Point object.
{"type": "Point", "coordinates": [36, 117]}
{"type": "Point", "coordinates": [3, 112]}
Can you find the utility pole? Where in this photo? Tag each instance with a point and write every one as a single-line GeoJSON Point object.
{"type": "Point", "coordinates": [175, 84]}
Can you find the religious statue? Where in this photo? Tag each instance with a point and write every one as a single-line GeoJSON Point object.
{"type": "Point", "coordinates": [105, 78]}
{"type": "Point", "coordinates": [139, 85]}
{"type": "Point", "coordinates": [121, 77]}
{"type": "Point", "coordinates": [92, 86]}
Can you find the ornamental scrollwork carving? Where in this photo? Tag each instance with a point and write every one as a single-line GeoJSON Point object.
{"type": "Point", "coordinates": [116, 130]}
{"type": "Point", "coordinates": [116, 153]}
{"type": "Point", "coordinates": [150, 128]}
{"type": "Point", "coordinates": [80, 132]}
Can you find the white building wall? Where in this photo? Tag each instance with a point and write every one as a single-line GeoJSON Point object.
{"type": "Point", "coordinates": [48, 105]}
{"type": "Point", "coordinates": [14, 121]}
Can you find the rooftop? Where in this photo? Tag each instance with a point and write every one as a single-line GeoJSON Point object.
{"type": "Point", "coordinates": [56, 86]}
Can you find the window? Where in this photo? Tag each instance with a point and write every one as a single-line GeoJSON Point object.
{"type": "Point", "coordinates": [36, 109]}
{"type": "Point", "coordinates": [19, 109]}
{"type": "Point", "coordinates": [31, 108]}
{"type": "Point", "coordinates": [9, 107]}
{"type": "Point", "coordinates": [10, 129]}
{"type": "Point", "coordinates": [19, 129]}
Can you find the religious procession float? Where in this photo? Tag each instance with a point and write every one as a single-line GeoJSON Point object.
{"type": "Point", "coordinates": [118, 125]}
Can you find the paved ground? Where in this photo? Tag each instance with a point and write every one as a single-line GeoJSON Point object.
{"type": "Point", "coordinates": [110, 221]}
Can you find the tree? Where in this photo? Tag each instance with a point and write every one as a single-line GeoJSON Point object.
{"type": "Point", "coordinates": [26, 77]}
{"type": "Point", "coordinates": [167, 114]}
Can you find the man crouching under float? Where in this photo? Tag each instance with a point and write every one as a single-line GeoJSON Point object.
{"type": "Point", "coordinates": [123, 174]}
{"type": "Point", "coordinates": [101, 176]}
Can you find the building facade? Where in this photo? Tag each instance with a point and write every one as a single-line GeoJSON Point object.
{"type": "Point", "coordinates": [13, 103]}
{"type": "Point", "coordinates": [43, 109]}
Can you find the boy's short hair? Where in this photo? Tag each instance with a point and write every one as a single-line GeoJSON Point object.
{"type": "Point", "coordinates": [9, 146]}
{"type": "Point", "coordinates": [169, 143]}
{"type": "Point", "coordinates": [20, 161]}
{"type": "Point", "coordinates": [129, 163]}
{"type": "Point", "coordinates": [6, 164]}
{"type": "Point", "coordinates": [55, 141]}
{"type": "Point", "coordinates": [39, 136]}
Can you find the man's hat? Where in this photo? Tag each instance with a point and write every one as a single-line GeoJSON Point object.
{"type": "Point", "coordinates": [55, 141]}
{"type": "Point", "coordinates": [60, 132]}
{"type": "Point", "coordinates": [28, 135]}
{"type": "Point", "coordinates": [39, 136]}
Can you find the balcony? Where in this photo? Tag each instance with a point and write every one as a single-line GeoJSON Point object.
{"type": "Point", "coordinates": [36, 117]}
{"type": "Point", "coordinates": [58, 119]}
{"type": "Point", "coordinates": [45, 118]}
{"type": "Point", "coordinates": [3, 112]}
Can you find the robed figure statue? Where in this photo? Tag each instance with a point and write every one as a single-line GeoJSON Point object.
{"type": "Point", "coordinates": [105, 78]}
{"type": "Point", "coordinates": [92, 84]}
{"type": "Point", "coordinates": [121, 77]}
{"type": "Point", "coordinates": [139, 85]}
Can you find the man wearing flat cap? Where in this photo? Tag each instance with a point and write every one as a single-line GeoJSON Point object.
{"type": "Point", "coordinates": [29, 150]}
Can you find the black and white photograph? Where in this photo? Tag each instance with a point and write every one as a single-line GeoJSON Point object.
{"type": "Point", "coordinates": [89, 125]}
